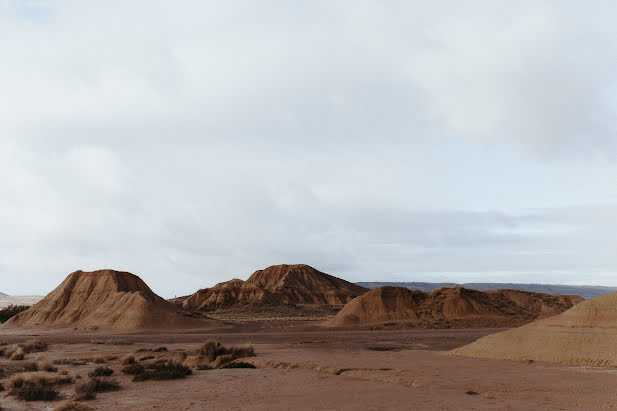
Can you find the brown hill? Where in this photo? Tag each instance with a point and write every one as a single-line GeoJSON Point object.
{"type": "Point", "coordinates": [583, 335]}
{"type": "Point", "coordinates": [104, 299]}
{"type": "Point", "coordinates": [276, 285]}
{"type": "Point", "coordinates": [449, 307]}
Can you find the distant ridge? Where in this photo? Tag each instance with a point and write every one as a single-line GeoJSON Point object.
{"type": "Point", "coordinates": [585, 291]}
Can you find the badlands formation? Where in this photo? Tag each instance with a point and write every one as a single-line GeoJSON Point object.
{"type": "Point", "coordinates": [583, 335]}
{"type": "Point", "coordinates": [449, 307]}
{"type": "Point", "coordinates": [104, 299]}
{"type": "Point", "coordinates": [274, 286]}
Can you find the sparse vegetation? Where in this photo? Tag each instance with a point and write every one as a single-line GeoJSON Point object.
{"type": "Point", "coordinates": [470, 392]}
{"type": "Point", "coordinates": [101, 372]}
{"type": "Point", "coordinates": [128, 359]}
{"type": "Point", "coordinates": [238, 364]}
{"type": "Point", "coordinates": [36, 386]}
{"type": "Point", "coordinates": [218, 355]}
{"type": "Point", "coordinates": [11, 311]}
{"type": "Point", "coordinates": [147, 357]}
{"type": "Point", "coordinates": [162, 370]}
{"type": "Point", "coordinates": [40, 365]}
{"type": "Point", "coordinates": [161, 349]}
{"type": "Point", "coordinates": [99, 359]}
{"type": "Point", "coordinates": [17, 352]}
{"type": "Point", "coordinates": [110, 341]}
{"type": "Point", "coordinates": [72, 406]}
{"type": "Point", "coordinates": [134, 369]}
{"type": "Point", "coordinates": [88, 390]}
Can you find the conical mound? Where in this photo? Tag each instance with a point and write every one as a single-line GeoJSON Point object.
{"type": "Point", "coordinates": [303, 284]}
{"type": "Point", "coordinates": [105, 299]}
{"type": "Point", "coordinates": [583, 335]}
{"type": "Point", "coordinates": [449, 307]}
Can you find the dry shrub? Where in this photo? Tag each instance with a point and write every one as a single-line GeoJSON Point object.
{"type": "Point", "coordinates": [134, 369]}
{"type": "Point", "coordinates": [17, 352]}
{"type": "Point", "coordinates": [88, 390]}
{"type": "Point", "coordinates": [163, 370]}
{"type": "Point", "coordinates": [101, 372]}
{"type": "Point", "coordinates": [110, 341]}
{"type": "Point", "coordinates": [217, 355]}
{"type": "Point", "coordinates": [36, 386]}
{"type": "Point", "coordinates": [98, 359]}
{"type": "Point", "coordinates": [72, 406]}
{"type": "Point", "coordinates": [147, 357]}
{"type": "Point", "coordinates": [238, 364]}
{"type": "Point", "coordinates": [128, 359]}
{"type": "Point", "coordinates": [40, 365]}
{"type": "Point", "coordinates": [161, 349]}
{"type": "Point", "coordinates": [71, 361]}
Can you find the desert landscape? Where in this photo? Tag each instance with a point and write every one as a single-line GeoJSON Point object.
{"type": "Point", "coordinates": [308, 205]}
{"type": "Point", "coordinates": [104, 340]}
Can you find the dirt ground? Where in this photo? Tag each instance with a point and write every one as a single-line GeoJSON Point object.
{"type": "Point", "coordinates": [304, 367]}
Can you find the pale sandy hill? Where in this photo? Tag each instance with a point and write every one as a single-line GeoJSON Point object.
{"type": "Point", "coordinates": [103, 299]}
{"type": "Point", "coordinates": [584, 335]}
{"type": "Point", "coordinates": [449, 307]}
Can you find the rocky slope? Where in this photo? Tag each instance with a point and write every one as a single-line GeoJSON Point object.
{"type": "Point", "coordinates": [449, 307]}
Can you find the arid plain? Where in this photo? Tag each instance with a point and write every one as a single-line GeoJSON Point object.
{"type": "Point", "coordinates": [291, 337]}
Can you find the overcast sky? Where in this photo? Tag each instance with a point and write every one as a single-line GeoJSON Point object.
{"type": "Point", "coordinates": [193, 142]}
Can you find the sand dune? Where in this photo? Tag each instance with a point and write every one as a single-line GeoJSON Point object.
{"type": "Point", "coordinates": [584, 335]}
{"type": "Point", "coordinates": [449, 307]}
{"type": "Point", "coordinates": [105, 299]}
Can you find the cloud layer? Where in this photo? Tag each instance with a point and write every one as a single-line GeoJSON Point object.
{"type": "Point", "coordinates": [191, 142]}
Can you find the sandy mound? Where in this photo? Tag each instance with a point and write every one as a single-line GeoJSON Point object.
{"type": "Point", "coordinates": [275, 286]}
{"type": "Point", "coordinates": [449, 307]}
{"type": "Point", "coordinates": [584, 335]}
{"type": "Point", "coordinates": [103, 299]}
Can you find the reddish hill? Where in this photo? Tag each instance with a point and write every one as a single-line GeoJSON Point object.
{"type": "Point", "coordinates": [450, 307]}
{"type": "Point", "coordinates": [104, 299]}
{"type": "Point", "coordinates": [276, 285]}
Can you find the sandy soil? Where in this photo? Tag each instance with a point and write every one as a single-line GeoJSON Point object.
{"type": "Point", "coordinates": [303, 367]}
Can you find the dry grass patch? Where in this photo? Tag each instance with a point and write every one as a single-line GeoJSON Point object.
{"type": "Point", "coordinates": [128, 359]}
{"type": "Point", "coordinates": [214, 355]}
{"type": "Point", "coordinates": [110, 341]}
{"type": "Point", "coordinates": [88, 390]}
{"type": "Point", "coordinates": [101, 372]}
{"type": "Point", "coordinates": [36, 386]}
{"type": "Point", "coordinates": [160, 370]}
{"type": "Point", "coordinates": [40, 365]}
{"type": "Point", "coordinates": [17, 352]}
{"type": "Point", "coordinates": [72, 406]}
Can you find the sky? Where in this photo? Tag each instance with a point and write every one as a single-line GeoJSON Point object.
{"type": "Point", "coordinates": [195, 142]}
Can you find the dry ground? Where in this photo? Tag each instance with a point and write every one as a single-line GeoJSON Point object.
{"type": "Point", "coordinates": [303, 367]}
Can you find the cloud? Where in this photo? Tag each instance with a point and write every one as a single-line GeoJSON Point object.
{"type": "Point", "coordinates": [199, 141]}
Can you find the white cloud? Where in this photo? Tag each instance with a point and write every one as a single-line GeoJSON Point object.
{"type": "Point", "coordinates": [199, 141]}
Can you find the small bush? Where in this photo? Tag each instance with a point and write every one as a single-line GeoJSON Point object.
{"type": "Point", "coordinates": [72, 406]}
{"type": "Point", "coordinates": [128, 359]}
{"type": "Point", "coordinates": [40, 365]}
{"type": "Point", "coordinates": [161, 349]}
{"type": "Point", "coordinates": [133, 369]}
{"type": "Point", "coordinates": [18, 351]}
{"type": "Point", "coordinates": [99, 359]}
{"type": "Point", "coordinates": [101, 372]}
{"type": "Point", "coordinates": [110, 341]}
{"type": "Point", "coordinates": [36, 386]}
{"type": "Point", "coordinates": [219, 355]}
{"type": "Point", "coordinates": [88, 390]}
{"type": "Point", "coordinates": [1, 387]}
{"type": "Point", "coordinates": [147, 357]}
{"type": "Point", "coordinates": [163, 370]}
{"type": "Point", "coordinates": [238, 364]}
{"type": "Point", "coordinates": [11, 311]}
